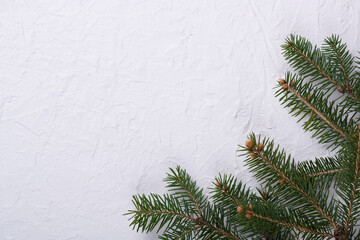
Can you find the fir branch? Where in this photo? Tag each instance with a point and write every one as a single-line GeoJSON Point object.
{"type": "Point", "coordinates": [329, 122]}
{"type": "Point", "coordinates": [336, 128]}
{"type": "Point", "coordinates": [355, 184]}
{"type": "Point", "coordinates": [190, 195]}
{"type": "Point", "coordinates": [296, 201]}
{"type": "Point", "coordinates": [231, 195]}
{"type": "Point", "coordinates": [180, 183]}
{"type": "Point", "coordinates": [274, 220]}
{"type": "Point", "coordinates": [234, 197]}
{"type": "Point", "coordinates": [296, 187]}
{"type": "Point", "coordinates": [311, 61]}
{"type": "Point", "coordinates": [303, 229]}
{"type": "Point", "coordinates": [199, 223]}
{"type": "Point", "coordinates": [315, 65]}
{"type": "Point", "coordinates": [341, 64]}
{"type": "Point", "coordinates": [347, 188]}
{"type": "Point", "coordinates": [317, 112]}
{"type": "Point", "coordinates": [179, 219]}
{"type": "Point", "coordinates": [225, 191]}
{"type": "Point", "coordinates": [270, 164]}
{"type": "Point", "coordinates": [342, 61]}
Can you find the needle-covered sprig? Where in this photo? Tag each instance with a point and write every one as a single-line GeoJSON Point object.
{"type": "Point", "coordinates": [299, 198]}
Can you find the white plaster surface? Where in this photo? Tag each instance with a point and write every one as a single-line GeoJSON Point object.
{"type": "Point", "coordinates": [98, 98]}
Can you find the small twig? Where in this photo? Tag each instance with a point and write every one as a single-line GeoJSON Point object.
{"type": "Point", "coordinates": [327, 172]}
{"type": "Point", "coordinates": [317, 112]}
{"type": "Point", "coordinates": [166, 212]}
{"type": "Point", "coordinates": [189, 231]}
{"type": "Point", "coordinates": [222, 231]}
{"type": "Point", "coordinates": [341, 64]}
{"type": "Point", "coordinates": [191, 196]}
{"type": "Point", "coordinates": [290, 225]}
{"type": "Point", "coordinates": [355, 185]}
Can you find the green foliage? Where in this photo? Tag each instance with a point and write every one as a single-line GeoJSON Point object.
{"type": "Point", "coordinates": [186, 214]}
{"type": "Point", "coordinates": [329, 122]}
{"type": "Point", "coordinates": [313, 199]}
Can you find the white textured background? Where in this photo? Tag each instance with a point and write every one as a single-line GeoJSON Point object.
{"type": "Point", "coordinates": [99, 98]}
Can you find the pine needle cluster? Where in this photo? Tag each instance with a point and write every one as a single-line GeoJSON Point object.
{"type": "Point", "coordinates": [313, 199]}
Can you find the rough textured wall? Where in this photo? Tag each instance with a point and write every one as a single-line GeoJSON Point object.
{"type": "Point", "coordinates": [99, 98]}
